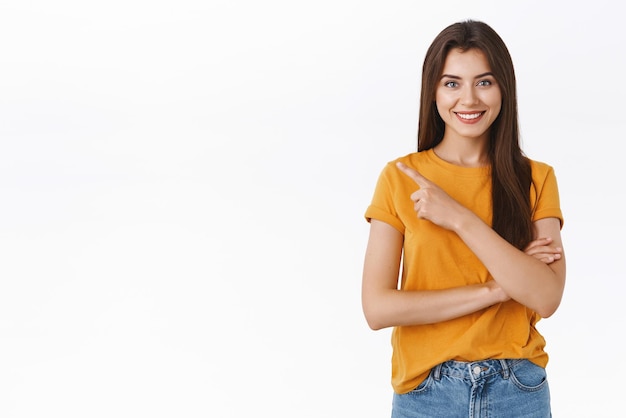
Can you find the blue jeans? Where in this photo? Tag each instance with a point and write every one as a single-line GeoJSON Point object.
{"type": "Point", "coordinates": [488, 388]}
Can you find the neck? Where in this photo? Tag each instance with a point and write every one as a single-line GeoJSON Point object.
{"type": "Point", "coordinates": [464, 153]}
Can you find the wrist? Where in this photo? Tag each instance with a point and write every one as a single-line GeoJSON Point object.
{"type": "Point", "coordinates": [465, 221]}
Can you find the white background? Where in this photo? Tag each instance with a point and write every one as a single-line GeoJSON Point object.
{"type": "Point", "coordinates": [182, 189]}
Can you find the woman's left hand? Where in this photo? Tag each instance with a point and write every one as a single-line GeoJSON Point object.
{"type": "Point", "coordinates": [543, 251]}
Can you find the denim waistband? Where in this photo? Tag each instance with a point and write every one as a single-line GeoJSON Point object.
{"type": "Point", "coordinates": [475, 370]}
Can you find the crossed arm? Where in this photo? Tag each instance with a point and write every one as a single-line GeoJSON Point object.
{"type": "Point", "coordinates": [534, 277]}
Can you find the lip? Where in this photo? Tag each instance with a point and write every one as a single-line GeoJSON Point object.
{"type": "Point", "coordinates": [471, 120]}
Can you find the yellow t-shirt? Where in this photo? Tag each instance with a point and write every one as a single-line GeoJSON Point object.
{"type": "Point", "coordinates": [435, 258]}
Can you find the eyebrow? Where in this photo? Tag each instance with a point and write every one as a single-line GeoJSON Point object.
{"type": "Point", "coordinates": [456, 77]}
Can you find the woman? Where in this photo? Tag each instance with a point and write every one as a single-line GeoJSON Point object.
{"type": "Point", "coordinates": [475, 226]}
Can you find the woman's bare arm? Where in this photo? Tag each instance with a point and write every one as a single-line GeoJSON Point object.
{"type": "Point", "coordinates": [384, 305]}
{"type": "Point", "coordinates": [527, 279]}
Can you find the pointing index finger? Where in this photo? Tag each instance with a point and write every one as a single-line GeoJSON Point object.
{"type": "Point", "coordinates": [414, 174]}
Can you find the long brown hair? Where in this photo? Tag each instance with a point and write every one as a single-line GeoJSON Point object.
{"type": "Point", "coordinates": [510, 169]}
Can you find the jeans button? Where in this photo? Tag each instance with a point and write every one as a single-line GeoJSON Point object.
{"type": "Point", "coordinates": [476, 370]}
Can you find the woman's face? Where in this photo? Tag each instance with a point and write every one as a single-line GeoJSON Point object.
{"type": "Point", "coordinates": [468, 97]}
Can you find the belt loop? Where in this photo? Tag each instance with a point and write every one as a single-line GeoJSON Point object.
{"type": "Point", "coordinates": [505, 368]}
{"type": "Point", "coordinates": [437, 371]}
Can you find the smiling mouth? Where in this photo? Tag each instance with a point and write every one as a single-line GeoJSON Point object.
{"type": "Point", "coordinates": [470, 116]}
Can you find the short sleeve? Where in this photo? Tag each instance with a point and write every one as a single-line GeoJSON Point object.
{"type": "Point", "coordinates": [545, 193]}
{"type": "Point", "coordinates": [383, 207]}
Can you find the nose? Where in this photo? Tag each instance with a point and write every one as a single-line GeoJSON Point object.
{"type": "Point", "coordinates": [468, 96]}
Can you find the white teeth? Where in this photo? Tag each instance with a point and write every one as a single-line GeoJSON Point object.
{"type": "Point", "coordinates": [469, 116]}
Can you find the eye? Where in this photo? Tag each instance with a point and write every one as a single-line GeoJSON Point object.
{"type": "Point", "coordinates": [451, 84]}
{"type": "Point", "coordinates": [484, 83]}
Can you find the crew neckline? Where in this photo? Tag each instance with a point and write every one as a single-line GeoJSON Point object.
{"type": "Point", "coordinates": [457, 169]}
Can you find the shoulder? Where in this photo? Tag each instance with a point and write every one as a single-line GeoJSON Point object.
{"type": "Point", "coordinates": [540, 171]}
{"type": "Point", "coordinates": [390, 165]}
{"type": "Point", "coordinates": [540, 166]}
{"type": "Point", "coordinates": [391, 178]}
{"type": "Point", "coordinates": [414, 160]}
